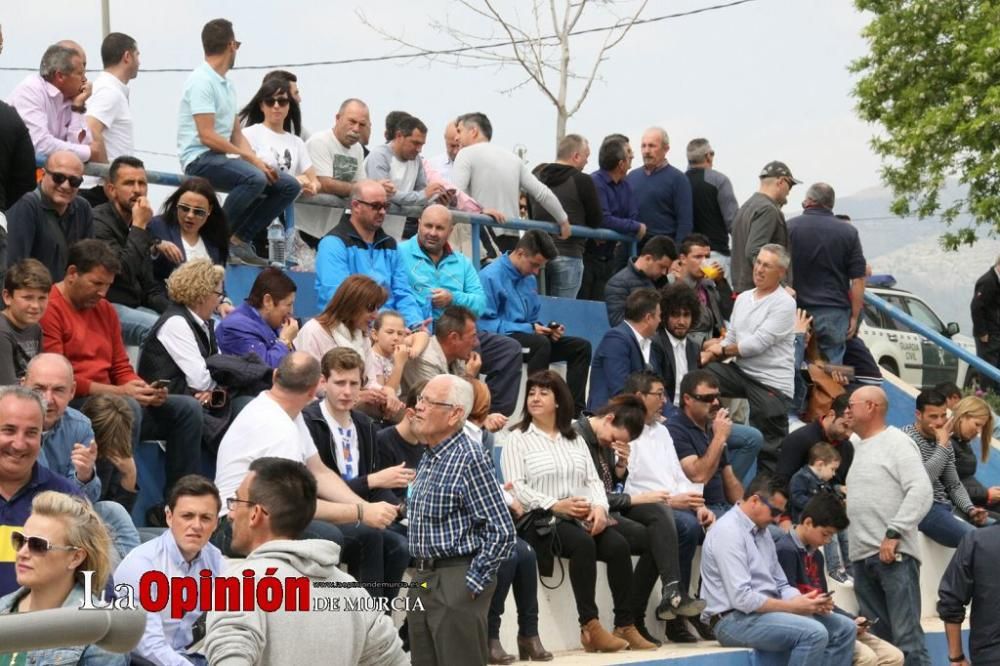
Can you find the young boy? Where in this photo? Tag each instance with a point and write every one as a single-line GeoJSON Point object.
{"type": "Point", "coordinates": [25, 295]}
{"type": "Point", "coordinates": [812, 479]}
{"type": "Point", "coordinates": [823, 517]}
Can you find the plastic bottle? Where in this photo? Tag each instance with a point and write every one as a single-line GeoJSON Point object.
{"type": "Point", "coordinates": [276, 244]}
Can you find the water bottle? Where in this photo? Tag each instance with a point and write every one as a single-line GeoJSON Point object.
{"type": "Point", "coordinates": [276, 244]}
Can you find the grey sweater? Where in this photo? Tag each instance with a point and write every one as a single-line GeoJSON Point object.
{"type": "Point", "coordinates": [886, 487]}
{"type": "Point", "coordinates": [332, 638]}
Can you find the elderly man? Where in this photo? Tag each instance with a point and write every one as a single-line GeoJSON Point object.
{"type": "Point", "coordinates": [759, 221]}
{"type": "Point", "coordinates": [460, 530]}
{"type": "Point", "coordinates": [45, 222]}
{"type": "Point", "coordinates": [890, 494]}
{"type": "Point", "coordinates": [445, 161]}
{"type": "Point", "coordinates": [713, 201]}
{"type": "Point", "coordinates": [441, 277]}
{"type": "Point", "coordinates": [208, 131]}
{"type": "Point", "coordinates": [829, 271]}
{"type": "Point", "coordinates": [661, 190]}
{"type": "Point", "coordinates": [52, 102]}
{"type": "Point", "coordinates": [761, 340]}
{"type": "Point", "coordinates": [22, 417]}
{"type": "Point", "coordinates": [338, 157]}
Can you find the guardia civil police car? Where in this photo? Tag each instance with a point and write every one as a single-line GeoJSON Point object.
{"type": "Point", "coordinates": [908, 355]}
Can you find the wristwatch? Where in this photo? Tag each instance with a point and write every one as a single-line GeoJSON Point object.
{"type": "Point", "coordinates": [892, 534]}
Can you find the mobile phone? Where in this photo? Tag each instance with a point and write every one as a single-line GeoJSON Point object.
{"type": "Point", "coordinates": [160, 383]}
{"type": "Point", "coordinates": [554, 324]}
{"type": "Point", "coordinates": [869, 623]}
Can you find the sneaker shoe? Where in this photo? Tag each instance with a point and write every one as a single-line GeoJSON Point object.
{"type": "Point", "coordinates": [842, 577]}
{"type": "Point", "coordinates": [243, 254]}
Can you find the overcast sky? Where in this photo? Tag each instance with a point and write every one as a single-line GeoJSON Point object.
{"type": "Point", "coordinates": [765, 80]}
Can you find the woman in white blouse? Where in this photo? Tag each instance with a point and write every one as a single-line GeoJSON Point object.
{"type": "Point", "coordinates": [550, 469]}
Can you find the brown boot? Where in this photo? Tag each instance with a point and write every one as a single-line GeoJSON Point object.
{"type": "Point", "coordinates": [634, 638]}
{"type": "Point", "coordinates": [596, 638]}
{"type": "Point", "coordinates": [497, 655]}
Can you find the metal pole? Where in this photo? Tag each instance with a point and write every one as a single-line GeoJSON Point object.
{"type": "Point", "coordinates": [105, 18]}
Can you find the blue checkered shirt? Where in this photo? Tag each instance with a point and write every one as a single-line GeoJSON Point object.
{"type": "Point", "coordinates": [456, 508]}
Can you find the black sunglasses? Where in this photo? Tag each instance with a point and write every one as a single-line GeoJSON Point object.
{"type": "Point", "coordinates": [707, 398]}
{"type": "Point", "coordinates": [36, 544]}
{"type": "Point", "coordinates": [280, 101]}
{"type": "Point", "coordinates": [60, 178]}
{"type": "Point", "coordinates": [775, 511]}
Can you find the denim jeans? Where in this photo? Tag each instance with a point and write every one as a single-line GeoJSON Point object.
{"type": "Point", "coordinates": [830, 326]}
{"type": "Point", "coordinates": [743, 445]}
{"type": "Point", "coordinates": [136, 323]}
{"type": "Point", "coordinates": [891, 592]}
{"type": "Point", "coordinates": [835, 552]}
{"type": "Point", "coordinates": [690, 535]}
{"type": "Point", "coordinates": [178, 422]}
{"type": "Point", "coordinates": [563, 276]}
{"type": "Point", "coordinates": [122, 530]}
{"type": "Point", "coordinates": [942, 525]}
{"type": "Point", "coordinates": [817, 640]}
{"type": "Point", "coordinates": [252, 202]}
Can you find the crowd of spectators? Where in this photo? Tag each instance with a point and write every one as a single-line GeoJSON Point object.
{"type": "Point", "coordinates": [364, 437]}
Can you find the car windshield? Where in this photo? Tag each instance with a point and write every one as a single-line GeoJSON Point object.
{"type": "Point", "coordinates": [924, 315]}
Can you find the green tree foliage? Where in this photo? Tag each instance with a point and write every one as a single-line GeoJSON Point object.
{"type": "Point", "coordinates": [932, 82]}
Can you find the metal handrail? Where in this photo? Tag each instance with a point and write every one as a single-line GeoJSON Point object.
{"type": "Point", "coordinates": [475, 220]}
{"type": "Point", "coordinates": [974, 361]}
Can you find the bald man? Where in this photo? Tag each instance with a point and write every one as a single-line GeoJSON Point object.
{"type": "Point", "coordinates": [889, 494]}
{"type": "Point", "coordinates": [46, 221]}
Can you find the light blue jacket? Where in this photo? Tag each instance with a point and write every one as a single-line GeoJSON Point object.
{"type": "Point", "coordinates": [57, 450]}
{"type": "Point", "coordinates": [454, 272]}
{"type": "Point", "coordinates": [512, 302]}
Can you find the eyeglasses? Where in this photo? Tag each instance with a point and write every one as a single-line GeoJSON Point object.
{"type": "Point", "coordinates": [280, 101]}
{"type": "Point", "coordinates": [60, 178]}
{"type": "Point", "coordinates": [231, 503]}
{"type": "Point", "coordinates": [775, 511]}
{"type": "Point", "coordinates": [220, 294]}
{"type": "Point", "coordinates": [36, 544]}
{"type": "Point", "coordinates": [655, 394]}
{"type": "Point", "coordinates": [434, 403]}
{"type": "Point", "coordinates": [191, 210]}
{"type": "Point", "coordinates": [376, 206]}
{"type": "Point", "coordinates": [707, 398]}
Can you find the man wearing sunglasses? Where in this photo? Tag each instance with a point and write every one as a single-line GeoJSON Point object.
{"type": "Point", "coordinates": [46, 221]}
{"type": "Point", "coordinates": [750, 602]}
{"type": "Point", "coordinates": [759, 221]}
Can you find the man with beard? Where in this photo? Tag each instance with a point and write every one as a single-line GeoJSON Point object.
{"type": "Point", "coordinates": [123, 223]}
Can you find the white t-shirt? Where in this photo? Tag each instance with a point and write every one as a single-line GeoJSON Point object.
{"type": "Point", "coordinates": [262, 429]}
{"type": "Point", "coordinates": [653, 464]}
{"type": "Point", "coordinates": [109, 104]}
{"type": "Point", "coordinates": [331, 159]}
{"type": "Point", "coordinates": [196, 251]}
{"type": "Point", "coordinates": [345, 443]}
{"type": "Point", "coordinates": [285, 152]}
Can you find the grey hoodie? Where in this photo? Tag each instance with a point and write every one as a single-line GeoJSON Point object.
{"type": "Point", "coordinates": [332, 638]}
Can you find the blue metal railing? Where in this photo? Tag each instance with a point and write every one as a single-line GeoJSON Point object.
{"type": "Point", "coordinates": [476, 221]}
{"type": "Point", "coordinates": [981, 366]}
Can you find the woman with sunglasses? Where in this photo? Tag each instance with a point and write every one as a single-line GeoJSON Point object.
{"type": "Point", "coordinates": [553, 477]}
{"type": "Point", "coordinates": [191, 225]}
{"type": "Point", "coordinates": [62, 538]}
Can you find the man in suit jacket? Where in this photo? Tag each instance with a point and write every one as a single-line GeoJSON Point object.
{"type": "Point", "coordinates": [985, 309]}
{"type": "Point", "coordinates": [626, 348]}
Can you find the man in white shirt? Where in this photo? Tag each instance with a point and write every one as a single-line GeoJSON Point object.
{"type": "Point", "coordinates": [761, 341]}
{"type": "Point", "coordinates": [442, 163]}
{"type": "Point", "coordinates": [109, 117]}
{"type": "Point", "coordinates": [272, 425]}
{"type": "Point", "coordinates": [495, 177]}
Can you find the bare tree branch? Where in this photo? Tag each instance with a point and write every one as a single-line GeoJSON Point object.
{"type": "Point", "coordinates": [539, 80]}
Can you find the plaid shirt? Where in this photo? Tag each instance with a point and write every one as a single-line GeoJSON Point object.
{"type": "Point", "coordinates": [456, 508]}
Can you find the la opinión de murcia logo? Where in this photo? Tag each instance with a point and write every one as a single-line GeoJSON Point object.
{"type": "Point", "coordinates": [245, 593]}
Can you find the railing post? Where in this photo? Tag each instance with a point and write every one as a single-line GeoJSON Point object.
{"type": "Point", "coordinates": [476, 249]}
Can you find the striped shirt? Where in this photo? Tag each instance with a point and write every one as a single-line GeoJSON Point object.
{"type": "Point", "coordinates": [544, 469]}
{"type": "Point", "coordinates": [455, 508]}
{"type": "Point", "coordinates": [939, 461]}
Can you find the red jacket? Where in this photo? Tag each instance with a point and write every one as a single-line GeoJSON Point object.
{"type": "Point", "coordinates": [90, 339]}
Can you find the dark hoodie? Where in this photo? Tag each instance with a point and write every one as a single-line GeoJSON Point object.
{"type": "Point", "coordinates": [577, 194]}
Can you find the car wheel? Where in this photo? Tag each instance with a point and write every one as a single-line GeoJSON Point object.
{"type": "Point", "coordinates": [889, 364]}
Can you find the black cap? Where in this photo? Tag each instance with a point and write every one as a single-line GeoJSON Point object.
{"type": "Point", "coordinates": [778, 169]}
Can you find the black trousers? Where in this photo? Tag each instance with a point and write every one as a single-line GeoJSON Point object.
{"type": "Point", "coordinates": [596, 273]}
{"type": "Point", "coordinates": [989, 351]}
{"type": "Point", "coordinates": [652, 535]}
{"type": "Point", "coordinates": [575, 351]}
{"type": "Point", "coordinates": [583, 552]}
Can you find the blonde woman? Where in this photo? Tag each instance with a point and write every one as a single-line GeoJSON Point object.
{"type": "Point", "coordinates": [970, 418]}
{"type": "Point", "coordinates": [62, 538]}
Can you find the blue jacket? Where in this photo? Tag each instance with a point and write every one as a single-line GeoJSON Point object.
{"type": "Point", "coordinates": [617, 356]}
{"type": "Point", "coordinates": [512, 302]}
{"type": "Point", "coordinates": [57, 450]}
{"type": "Point", "coordinates": [802, 487]}
{"type": "Point", "coordinates": [454, 272]}
{"type": "Point", "coordinates": [244, 330]}
{"type": "Point", "coordinates": [80, 655]}
{"type": "Point", "coordinates": [163, 267]}
{"type": "Point", "coordinates": [343, 252]}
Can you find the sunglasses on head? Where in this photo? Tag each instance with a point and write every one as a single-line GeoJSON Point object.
{"type": "Point", "coordinates": [60, 178]}
{"type": "Point", "coordinates": [36, 544]}
{"type": "Point", "coordinates": [280, 101]}
{"type": "Point", "coordinates": [707, 398]}
{"type": "Point", "coordinates": [197, 212]}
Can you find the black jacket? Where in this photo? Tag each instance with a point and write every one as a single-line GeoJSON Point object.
{"type": "Point", "coordinates": [668, 369]}
{"type": "Point", "coordinates": [30, 232]}
{"type": "Point", "coordinates": [621, 284]}
{"type": "Point", "coordinates": [134, 285]}
{"type": "Point", "coordinates": [965, 465]}
{"type": "Point", "coordinates": [577, 194]}
{"type": "Point", "coordinates": [985, 305]}
{"type": "Point", "coordinates": [17, 157]}
{"type": "Point", "coordinates": [325, 445]}
{"type": "Point", "coordinates": [617, 502]}
{"type": "Point", "coordinates": [795, 453]}
{"type": "Point", "coordinates": [971, 576]}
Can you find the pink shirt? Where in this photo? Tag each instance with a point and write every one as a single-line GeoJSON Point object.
{"type": "Point", "coordinates": [53, 125]}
